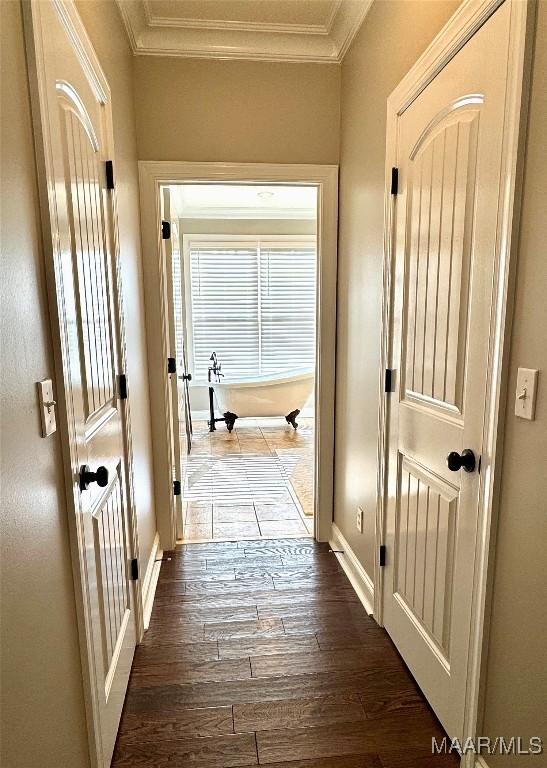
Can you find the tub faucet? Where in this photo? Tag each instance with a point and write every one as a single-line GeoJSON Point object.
{"type": "Point", "coordinates": [214, 369]}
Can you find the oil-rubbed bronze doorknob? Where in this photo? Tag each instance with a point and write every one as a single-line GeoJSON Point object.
{"type": "Point", "coordinates": [186, 377]}
{"type": "Point", "coordinates": [465, 459]}
{"type": "Point", "coordinates": [87, 477]}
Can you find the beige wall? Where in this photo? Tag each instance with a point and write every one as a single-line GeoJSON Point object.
{"type": "Point", "coordinates": [107, 33]}
{"type": "Point", "coordinates": [516, 693]}
{"type": "Point", "coordinates": [43, 721]}
{"type": "Point", "coordinates": [392, 37]}
{"type": "Point", "coordinates": [43, 715]}
{"type": "Point", "coordinates": [236, 111]}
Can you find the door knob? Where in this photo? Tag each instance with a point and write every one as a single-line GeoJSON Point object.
{"type": "Point", "coordinates": [465, 459]}
{"type": "Point", "coordinates": [186, 377]}
{"type": "Point", "coordinates": [87, 477]}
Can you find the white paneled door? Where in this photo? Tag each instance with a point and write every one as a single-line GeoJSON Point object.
{"type": "Point", "coordinates": [72, 115]}
{"type": "Point", "coordinates": [449, 152]}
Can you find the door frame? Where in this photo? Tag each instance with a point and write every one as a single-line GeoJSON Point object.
{"type": "Point", "coordinates": [84, 51]}
{"type": "Point", "coordinates": [153, 175]}
{"type": "Point", "coordinates": [467, 20]}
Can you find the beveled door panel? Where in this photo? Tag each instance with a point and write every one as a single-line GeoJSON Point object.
{"type": "Point", "coordinates": [111, 560]}
{"type": "Point", "coordinates": [440, 199]}
{"type": "Point", "coordinates": [424, 554]}
{"type": "Point", "coordinates": [90, 254]}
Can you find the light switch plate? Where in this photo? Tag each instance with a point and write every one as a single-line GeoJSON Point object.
{"type": "Point", "coordinates": [525, 396]}
{"type": "Point", "coordinates": [47, 407]}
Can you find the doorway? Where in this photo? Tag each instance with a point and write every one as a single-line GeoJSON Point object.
{"type": "Point", "coordinates": [242, 265]}
{"type": "Point", "coordinates": [275, 460]}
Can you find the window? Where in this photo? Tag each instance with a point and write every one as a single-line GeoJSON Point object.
{"type": "Point", "coordinates": [252, 301]}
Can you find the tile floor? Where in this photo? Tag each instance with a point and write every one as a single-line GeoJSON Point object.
{"type": "Point", "coordinates": [255, 482]}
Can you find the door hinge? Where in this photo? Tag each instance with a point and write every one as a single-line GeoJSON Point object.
{"type": "Point", "coordinates": [176, 488]}
{"type": "Point", "coordinates": [388, 380]}
{"type": "Point", "coordinates": [109, 172]}
{"type": "Point", "coordinates": [382, 556]}
{"type": "Point", "coordinates": [394, 181]}
{"type": "Point", "coordinates": [171, 365]}
{"type": "Point", "coordinates": [165, 230]}
{"type": "Point", "coordinates": [134, 567]}
{"type": "Point", "coordinates": [122, 386]}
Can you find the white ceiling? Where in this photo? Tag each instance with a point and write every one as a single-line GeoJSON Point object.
{"type": "Point", "coordinates": [268, 30]}
{"type": "Point", "coordinates": [243, 201]}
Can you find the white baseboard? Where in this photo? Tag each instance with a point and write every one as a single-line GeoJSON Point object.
{"type": "Point", "coordinates": [150, 580]}
{"type": "Point", "coordinates": [359, 578]}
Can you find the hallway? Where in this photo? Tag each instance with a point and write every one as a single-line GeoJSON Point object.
{"type": "Point", "coordinates": [260, 653]}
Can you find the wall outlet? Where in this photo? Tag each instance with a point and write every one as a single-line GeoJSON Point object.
{"type": "Point", "coordinates": [359, 520]}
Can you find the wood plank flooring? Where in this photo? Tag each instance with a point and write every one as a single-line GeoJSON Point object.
{"type": "Point", "coordinates": [259, 653]}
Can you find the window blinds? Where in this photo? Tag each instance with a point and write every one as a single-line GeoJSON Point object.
{"type": "Point", "coordinates": [254, 305]}
{"type": "Point", "coordinates": [287, 308]}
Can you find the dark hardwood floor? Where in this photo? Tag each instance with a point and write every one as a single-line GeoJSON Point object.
{"type": "Point", "coordinates": [259, 653]}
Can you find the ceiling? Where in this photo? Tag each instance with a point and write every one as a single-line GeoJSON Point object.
{"type": "Point", "coordinates": [267, 30]}
{"type": "Point", "coordinates": [244, 201]}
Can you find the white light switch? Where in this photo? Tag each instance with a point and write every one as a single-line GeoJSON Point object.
{"type": "Point", "coordinates": [47, 407]}
{"type": "Point", "coordinates": [359, 520]}
{"type": "Point", "coordinates": [525, 396]}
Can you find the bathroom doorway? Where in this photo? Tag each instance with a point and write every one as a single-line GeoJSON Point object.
{"type": "Point", "coordinates": [154, 178]}
{"type": "Point", "coordinates": [243, 311]}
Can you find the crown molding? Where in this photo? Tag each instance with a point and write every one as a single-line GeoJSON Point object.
{"type": "Point", "coordinates": [154, 20]}
{"type": "Point", "coordinates": [154, 35]}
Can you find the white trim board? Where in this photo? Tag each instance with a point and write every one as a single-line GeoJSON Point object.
{"type": "Point", "coordinates": [150, 581]}
{"type": "Point", "coordinates": [153, 175]}
{"type": "Point", "coordinates": [359, 578]}
{"type": "Point", "coordinates": [469, 17]}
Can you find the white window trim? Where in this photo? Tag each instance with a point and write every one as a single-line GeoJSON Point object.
{"type": "Point", "coordinates": [210, 240]}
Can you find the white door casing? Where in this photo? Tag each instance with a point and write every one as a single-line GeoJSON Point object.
{"type": "Point", "coordinates": [72, 116]}
{"type": "Point", "coordinates": [449, 143]}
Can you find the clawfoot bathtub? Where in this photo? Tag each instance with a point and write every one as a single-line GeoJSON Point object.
{"type": "Point", "coordinates": [283, 394]}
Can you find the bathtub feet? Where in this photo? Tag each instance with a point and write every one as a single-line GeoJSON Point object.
{"type": "Point", "coordinates": [230, 419]}
{"type": "Point", "coordinates": [291, 418]}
